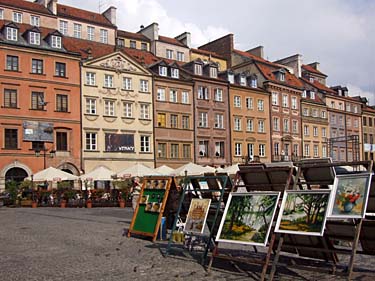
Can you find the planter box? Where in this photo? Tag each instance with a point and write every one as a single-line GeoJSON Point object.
{"type": "Point", "coordinates": [26, 203]}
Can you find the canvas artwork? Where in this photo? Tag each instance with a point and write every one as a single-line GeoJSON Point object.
{"type": "Point", "coordinates": [144, 199]}
{"type": "Point", "coordinates": [303, 212]}
{"type": "Point", "coordinates": [248, 218]}
{"type": "Point", "coordinates": [156, 207]}
{"type": "Point", "coordinates": [197, 215]}
{"type": "Point", "coordinates": [350, 196]}
{"type": "Point", "coordinates": [148, 207]}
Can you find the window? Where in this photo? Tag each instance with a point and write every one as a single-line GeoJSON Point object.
{"type": "Point", "coordinates": [340, 106]}
{"type": "Point", "coordinates": [323, 114]}
{"type": "Point", "coordinates": [370, 121]}
{"type": "Point", "coordinates": [174, 121]}
{"type": "Point", "coordinates": [133, 44]}
{"type": "Point", "coordinates": [36, 66]}
{"type": "Point", "coordinates": [90, 78]}
{"type": "Point", "coordinates": [60, 69]}
{"type": "Point", "coordinates": [160, 96]}
{"type": "Point", "coordinates": [286, 125]}
{"type": "Point", "coordinates": [294, 103]}
{"type": "Point", "coordinates": [186, 150]}
{"type": "Point", "coordinates": [315, 131]}
{"type": "Point", "coordinates": [305, 111]}
{"type": "Point", "coordinates": [324, 151]}
{"type": "Point", "coordinates": [37, 100]}
{"type": "Point", "coordinates": [145, 111]}
{"type": "Point", "coordinates": [174, 150]}
{"type": "Point", "coordinates": [108, 81]}
{"type": "Point", "coordinates": [104, 36]}
{"type": "Point", "coordinates": [250, 149]}
{"type": "Point", "coordinates": [312, 95]}
{"type": "Point", "coordinates": [365, 138]}
{"type": "Point", "coordinates": [254, 82]}
{"type": "Point", "coordinates": [203, 148]}
{"type": "Point", "coordinates": [238, 149]}
{"type": "Point", "coordinates": [262, 150]}
{"type": "Point", "coordinates": [260, 105]}
{"type": "Point", "coordinates": [143, 46]}
{"type": "Point", "coordinates": [365, 120]}
{"type": "Point", "coordinates": [324, 132]}
{"type": "Point", "coordinates": [63, 28]}
{"type": "Point", "coordinates": [348, 107]}
{"type": "Point", "coordinates": [12, 63]}
{"type": "Point", "coordinates": [162, 70]}
{"type": "Point", "coordinates": [144, 85]}
{"type": "Point", "coordinates": [349, 122]}
{"type": "Point", "coordinates": [219, 149]}
{"type": "Point", "coordinates": [276, 148]}
{"type": "Point", "coordinates": [218, 94]}
{"type": "Point", "coordinates": [219, 121]}
{"type": "Point", "coordinates": [127, 83]}
{"type": "Point", "coordinates": [91, 141]}
{"type": "Point", "coordinates": [145, 144]}
{"type": "Point", "coordinates": [180, 56]}
{"type": "Point", "coordinates": [355, 109]}
{"type": "Point", "coordinates": [307, 150]}
{"type": "Point", "coordinates": [332, 104]}
{"type": "Point", "coordinates": [91, 33]}
{"type": "Point", "coordinates": [316, 151]}
{"type": "Point", "coordinates": [161, 120]}
{"type": "Point", "coordinates": [169, 54]}
{"type": "Point", "coordinates": [109, 108]}
{"type": "Point", "coordinates": [61, 141]}
{"type": "Point", "coordinates": [34, 38]}
{"type": "Point", "coordinates": [304, 94]}
{"type": "Point", "coordinates": [261, 128]}
{"type": "Point", "coordinates": [306, 130]}
{"type": "Point", "coordinates": [249, 103]}
{"type": "Point", "coordinates": [237, 101]}
{"type": "Point", "coordinates": [12, 33]}
{"type": "Point", "coordinates": [250, 125]}
{"type": "Point", "coordinates": [10, 98]}
{"type": "Point", "coordinates": [333, 119]}
{"type": "Point", "coordinates": [175, 73]}
{"type": "Point", "coordinates": [185, 97]}
{"type": "Point", "coordinates": [242, 80]}
{"type": "Point", "coordinates": [285, 101]}
{"type": "Point", "coordinates": [121, 42]}
{"type": "Point", "coordinates": [1, 14]}
{"type": "Point", "coordinates": [275, 98]}
{"type": "Point", "coordinates": [11, 139]}
{"type": "Point", "coordinates": [17, 17]}
{"type": "Point", "coordinates": [185, 122]}
{"type": "Point", "coordinates": [173, 96]}
{"type": "Point", "coordinates": [202, 93]}
{"type": "Point", "coordinates": [213, 72]}
{"type": "Point", "coordinates": [231, 78]}
{"type": "Point", "coordinates": [282, 76]}
{"type": "Point", "coordinates": [128, 109]}
{"type": "Point", "coordinates": [77, 29]}
{"type": "Point", "coordinates": [315, 113]}
{"type": "Point", "coordinates": [237, 124]}
{"type": "Point", "coordinates": [356, 123]}
{"type": "Point", "coordinates": [276, 124]}
{"type": "Point", "coordinates": [203, 119]}
{"type": "Point", "coordinates": [90, 106]}
{"type": "Point", "coordinates": [61, 103]}
{"type": "Point", "coordinates": [197, 69]}
{"type": "Point", "coordinates": [295, 126]}
{"type": "Point", "coordinates": [56, 42]}
{"type": "Point", "coordinates": [295, 149]}
{"type": "Point", "coordinates": [162, 150]}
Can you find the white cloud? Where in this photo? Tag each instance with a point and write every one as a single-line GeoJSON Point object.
{"type": "Point", "coordinates": [357, 91]}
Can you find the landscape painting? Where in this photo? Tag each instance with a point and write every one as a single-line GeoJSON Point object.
{"type": "Point", "coordinates": [248, 218]}
{"type": "Point", "coordinates": [303, 212]}
{"type": "Point", "coordinates": [197, 215]}
{"type": "Point", "coordinates": [350, 196]}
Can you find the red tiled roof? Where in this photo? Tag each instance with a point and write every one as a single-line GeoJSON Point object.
{"type": "Point", "coordinates": [83, 47]}
{"type": "Point", "coordinates": [369, 109]}
{"type": "Point", "coordinates": [172, 41]}
{"type": "Point", "coordinates": [142, 57]}
{"type": "Point", "coordinates": [313, 70]}
{"type": "Point", "coordinates": [207, 53]}
{"type": "Point", "coordinates": [319, 86]}
{"type": "Point", "coordinates": [82, 15]}
{"type": "Point", "coordinates": [251, 56]}
{"type": "Point", "coordinates": [127, 34]}
{"type": "Point", "coordinates": [26, 5]}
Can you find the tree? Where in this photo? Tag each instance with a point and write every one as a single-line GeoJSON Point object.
{"type": "Point", "coordinates": [312, 205]}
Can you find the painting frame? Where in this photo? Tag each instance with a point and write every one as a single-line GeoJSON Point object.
{"type": "Point", "coordinates": [344, 198]}
{"type": "Point", "coordinates": [196, 220]}
{"type": "Point", "coordinates": [285, 212]}
{"type": "Point", "coordinates": [260, 237]}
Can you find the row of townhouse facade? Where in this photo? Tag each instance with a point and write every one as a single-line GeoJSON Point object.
{"type": "Point", "coordinates": [81, 93]}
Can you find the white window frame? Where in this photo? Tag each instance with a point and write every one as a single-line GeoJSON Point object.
{"type": "Point", "coordinates": [237, 101]}
{"type": "Point", "coordinates": [56, 41]}
{"type": "Point", "coordinates": [108, 81]}
{"type": "Point", "coordinates": [261, 126]}
{"type": "Point", "coordinates": [307, 150]}
{"type": "Point", "coordinates": [162, 70]}
{"type": "Point", "coordinates": [238, 149]}
{"type": "Point", "coordinates": [180, 56]}
{"type": "Point", "coordinates": [218, 94]}
{"type": "Point", "coordinates": [34, 38]}
{"type": "Point", "coordinates": [128, 109]}
{"type": "Point", "coordinates": [169, 54]}
{"type": "Point", "coordinates": [295, 126]}
{"type": "Point", "coordinates": [127, 83]}
{"type": "Point", "coordinates": [185, 97]}
{"type": "Point", "coordinates": [173, 96]}
{"type": "Point", "coordinates": [316, 150]}
{"type": "Point", "coordinates": [109, 108]}
{"type": "Point", "coordinates": [104, 36]}
{"type": "Point", "coordinates": [213, 72]}
{"type": "Point", "coordinates": [34, 20]}
{"type": "Point", "coordinates": [143, 85]}
{"type": "Point", "coordinates": [144, 110]}
{"type": "Point", "coordinates": [77, 30]}
{"type": "Point", "coordinates": [203, 120]}
{"type": "Point", "coordinates": [91, 78]}
{"type": "Point", "coordinates": [91, 106]}
{"type": "Point", "coordinates": [286, 125]}
{"type": "Point", "coordinates": [250, 125]}
{"type": "Point", "coordinates": [91, 141]}
{"type": "Point", "coordinates": [285, 101]}
{"type": "Point", "coordinates": [175, 73]}
{"type": "Point", "coordinates": [276, 124]}
{"type": "Point", "coordinates": [198, 69]}
{"type": "Point", "coordinates": [262, 150]}
{"type": "Point", "coordinates": [312, 95]}
{"type": "Point", "coordinates": [237, 124]}
{"type": "Point", "coordinates": [306, 130]}
{"type": "Point", "coordinates": [145, 142]}
{"type": "Point", "coordinates": [294, 102]}
{"type": "Point", "coordinates": [315, 131]}
{"type": "Point", "coordinates": [324, 132]}
{"type": "Point", "coordinates": [275, 98]}
{"type": "Point", "coordinates": [63, 27]}
{"type": "Point", "coordinates": [17, 17]}
{"type": "Point", "coordinates": [219, 121]}
{"type": "Point", "coordinates": [1, 14]}
{"type": "Point", "coordinates": [12, 33]}
{"type": "Point", "coordinates": [249, 103]}
{"type": "Point", "coordinates": [203, 93]}
{"type": "Point", "coordinates": [91, 33]}
{"type": "Point", "coordinates": [160, 96]}
{"type": "Point", "coordinates": [260, 105]}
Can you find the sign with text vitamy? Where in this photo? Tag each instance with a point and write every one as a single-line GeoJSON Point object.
{"type": "Point", "coordinates": [37, 131]}
{"type": "Point", "coordinates": [119, 142]}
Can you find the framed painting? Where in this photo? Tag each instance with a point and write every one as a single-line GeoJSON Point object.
{"type": "Point", "coordinates": [303, 212]}
{"type": "Point", "coordinates": [248, 218]}
{"type": "Point", "coordinates": [197, 215]}
{"type": "Point", "coordinates": [144, 199]}
{"type": "Point", "coordinates": [350, 196]}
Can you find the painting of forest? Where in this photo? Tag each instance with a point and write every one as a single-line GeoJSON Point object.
{"type": "Point", "coordinates": [303, 212]}
{"type": "Point", "coordinates": [248, 218]}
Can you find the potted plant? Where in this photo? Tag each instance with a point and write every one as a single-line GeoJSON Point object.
{"type": "Point", "coordinates": [62, 188]}
{"type": "Point", "coordinates": [124, 187]}
{"type": "Point", "coordinates": [12, 188]}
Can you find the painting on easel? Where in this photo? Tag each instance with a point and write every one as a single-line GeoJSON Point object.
{"type": "Point", "coordinates": [197, 215]}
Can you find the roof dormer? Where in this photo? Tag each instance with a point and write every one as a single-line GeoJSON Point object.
{"type": "Point", "coordinates": [54, 39]}
{"type": "Point", "coordinates": [230, 76]}
{"type": "Point", "coordinates": [253, 81]}
{"type": "Point", "coordinates": [198, 67]}
{"type": "Point", "coordinates": [280, 74]}
{"type": "Point", "coordinates": [163, 68]}
{"type": "Point", "coordinates": [33, 36]}
{"type": "Point", "coordinates": [11, 31]}
{"type": "Point", "coordinates": [174, 70]}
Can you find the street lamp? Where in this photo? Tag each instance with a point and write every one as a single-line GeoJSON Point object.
{"type": "Point", "coordinates": [44, 150]}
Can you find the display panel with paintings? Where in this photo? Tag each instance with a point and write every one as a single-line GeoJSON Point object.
{"type": "Point", "coordinates": [248, 218]}
{"type": "Point", "coordinates": [197, 214]}
{"type": "Point", "coordinates": [303, 212]}
{"type": "Point", "coordinates": [350, 195]}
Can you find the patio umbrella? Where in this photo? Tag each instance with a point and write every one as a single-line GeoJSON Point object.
{"type": "Point", "coordinates": [232, 170]}
{"type": "Point", "coordinates": [164, 170]}
{"type": "Point", "coordinates": [192, 169]}
{"type": "Point", "coordinates": [138, 170]}
{"type": "Point", "coordinates": [52, 174]}
{"type": "Point", "coordinates": [100, 173]}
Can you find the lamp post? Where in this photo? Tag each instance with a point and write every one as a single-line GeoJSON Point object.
{"type": "Point", "coordinates": [44, 150]}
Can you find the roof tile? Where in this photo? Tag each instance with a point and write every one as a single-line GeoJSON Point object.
{"type": "Point", "coordinates": [26, 5]}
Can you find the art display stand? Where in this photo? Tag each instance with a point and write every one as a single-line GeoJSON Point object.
{"type": "Point", "coordinates": [151, 204]}
{"type": "Point", "coordinates": [320, 174]}
{"type": "Point", "coordinates": [211, 187]}
{"type": "Point", "coordinates": [259, 177]}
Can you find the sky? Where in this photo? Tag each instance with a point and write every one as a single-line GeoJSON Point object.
{"type": "Point", "coordinates": [339, 34]}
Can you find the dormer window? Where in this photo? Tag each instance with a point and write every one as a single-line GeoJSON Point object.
{"type": "Point", "coordinates": [304, 94]}
{"type": "Point", "coordinates": [162, 70]}
{"type": "Point", "coordinates": [12, 33]}
{"type": "Point", "coordinates": [282, 76]}
{"type": "Point", "coordinates": [312, 95]}
{"type": "Point", "coordinates": [56, 41]}
{"type": "Point", "coordinates": [17, 17]}
{"type": "Point", "coordinates": [231, 78]}
{"type": "Point", "coordinates": [197, 69]}
{"type": "Point", "coordinates": [311, 79]}
{"type": "Point", "coordinates": [174, 73]}
{"type": "Point", "coordinates": [242, 80]}
{"type": "Point", "coordinates": [213, 72]}
{"type": "Point", "coordinates": [254, 81]}
{"type": "Point", "coordinates": [34, 38]}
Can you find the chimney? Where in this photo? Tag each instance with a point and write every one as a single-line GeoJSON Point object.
{"type": "Point", "coordinates": [184, 38]}
{"type": "Point", "coordinates": [110, 14]}
{"type": "Point", "coordinates": [257, 51]}
{"type": "Point", "coordinates": [315, 65]}
{"type": "Point", "coordinates": [294, 62]}
{"type": "Point", "coordinates": [151, 31]}
{"type": "Point", "coordinates": [52, 6]}
{"type": "Point", "coordinates": [43, 3]}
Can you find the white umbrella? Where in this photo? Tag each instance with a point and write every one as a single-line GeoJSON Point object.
{"type": "Point", "coordinates": [164, 170]}
{"type": "Point", "coordinates": [232, 170]}
{"type": "Point", "coordinates": [192, 169]}
{"type": "Point", "coordinates": [53, 174]}
{"type": "Point", "coordinates": [100, 173]}
{"type": "Point", "coordinates": [138, 170]}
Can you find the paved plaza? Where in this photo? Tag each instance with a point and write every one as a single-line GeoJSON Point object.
{"type": "Point", "coordinates": [89, 244]}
